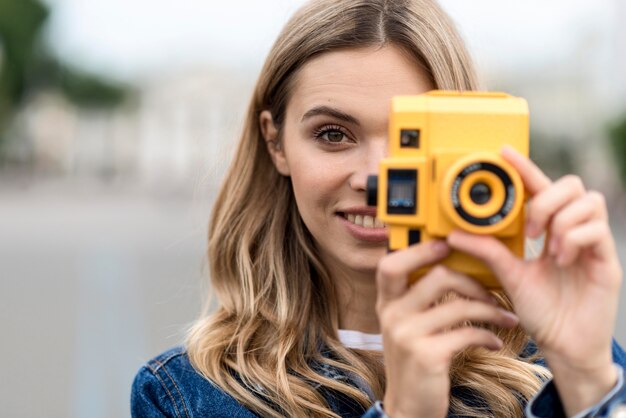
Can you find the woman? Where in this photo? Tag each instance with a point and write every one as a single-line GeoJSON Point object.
{"type": "Point", "coordinates": [306, 289]}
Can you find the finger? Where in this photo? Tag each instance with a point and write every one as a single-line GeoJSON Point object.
{"type": "Point", "coordinates": [445, 319]}
{"type": "Point", "coordinates": [437, 283]}
{"type": "Point", "coordinates": [534, 179]}
{"type": "Point", "coordinates": [550, 201]}
{"type": "Point", "coordinates": [431, 352]}
{"type": "Point", "coordinates": [393, 270]}
{"type": "Point", "coordinates": [594, 235]}
{"type": "Point", "coordinates": [589, 206]}
{"type": "Point", "coordinates": [460, 339]}
{"type": "Point", "coordinates": [492, 252]}
{"type": "Point", "coordinates": [450, 314]}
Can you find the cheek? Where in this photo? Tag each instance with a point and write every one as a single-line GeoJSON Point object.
{"type": "Point", "coordinates": [317, 179]}
{"type": "Point", "coordinates": [314, 186]}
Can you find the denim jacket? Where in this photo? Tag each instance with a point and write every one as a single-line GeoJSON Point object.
{"type": "Point", "coordinates": [168, 386]}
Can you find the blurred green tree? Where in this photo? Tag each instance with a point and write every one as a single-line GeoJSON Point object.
{"type": "Point", "coordinates": [26, 65]}
{"type": "Point", "coordinates": [617, 143]}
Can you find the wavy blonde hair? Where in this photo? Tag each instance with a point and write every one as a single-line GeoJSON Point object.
{"type": "Point", "coordinates": [276, 324]}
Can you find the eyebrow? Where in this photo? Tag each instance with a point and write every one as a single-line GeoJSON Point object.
{"type": "Point", "coordinates": [330, 111]}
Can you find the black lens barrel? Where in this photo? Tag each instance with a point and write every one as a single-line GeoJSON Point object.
{"type": "Point", "coordinates": [372, 190]}
{"type": "Point", "coordinates": [480, 193]}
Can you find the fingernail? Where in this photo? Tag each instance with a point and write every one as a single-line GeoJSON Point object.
{"type": "Point", "coordinates": [505, 148]}
{"type": "Point", "coordinates": [498, 344]}
{"type": "Point", "coordinates": [510, 316]}
{"type": "Point", "coordinates": [453, 235]}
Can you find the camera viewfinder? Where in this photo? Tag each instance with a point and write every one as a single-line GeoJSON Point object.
{"type": "Point", "coordinates": [401, 192]}
{"type": "Point", "coordinates": [410, 138]}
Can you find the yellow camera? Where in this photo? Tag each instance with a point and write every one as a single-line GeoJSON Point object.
{"type": "Point", "coordinates": [444, 172]}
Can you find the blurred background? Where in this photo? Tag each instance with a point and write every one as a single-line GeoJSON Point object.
{"type": "Point", "coordinates": [118, 119]}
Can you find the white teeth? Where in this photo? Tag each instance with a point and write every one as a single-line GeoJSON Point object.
{"type": "Point", "coordinates": [365, 221]}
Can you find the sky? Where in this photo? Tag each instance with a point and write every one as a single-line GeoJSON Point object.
{"type": "Point", "coordinates": [132, 39]}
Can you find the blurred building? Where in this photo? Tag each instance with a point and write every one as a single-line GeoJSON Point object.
{"type": "Point", "coordinates": [188, 124]}
{"type": "Point", "coordinates": [573, 98]}
{"type": "Point", "coordinates": [183, 126]}
{"type": "Point", "coordinates": [177, 128]}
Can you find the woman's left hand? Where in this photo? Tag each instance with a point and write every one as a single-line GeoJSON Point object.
{"type": "Point", "coordinates": [566, 298]}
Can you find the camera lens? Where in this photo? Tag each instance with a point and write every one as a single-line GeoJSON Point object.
{"type": "Point", "coordinates": [480, 193]}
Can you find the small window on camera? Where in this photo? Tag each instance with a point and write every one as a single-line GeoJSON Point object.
{"type": "Point", "coordinates": [410, 138]}
{"type": "Point", "coordinates": [401, 192]}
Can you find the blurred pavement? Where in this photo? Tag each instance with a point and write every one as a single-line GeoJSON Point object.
{"type": "Point", "coordinates": [94, 280]}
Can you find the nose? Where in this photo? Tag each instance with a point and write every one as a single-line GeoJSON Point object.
{"type": "Point", "coordinates": [374, 151]}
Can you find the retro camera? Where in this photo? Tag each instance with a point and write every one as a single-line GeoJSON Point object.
{"type": "Point", "coordinates": [444, 172]}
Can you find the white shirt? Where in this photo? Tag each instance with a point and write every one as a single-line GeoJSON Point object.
{"type": "Point", "coordinates": [361, 340]}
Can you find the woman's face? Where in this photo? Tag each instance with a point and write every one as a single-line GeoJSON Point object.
{"type": "Point", "coordinates": [334, 135]}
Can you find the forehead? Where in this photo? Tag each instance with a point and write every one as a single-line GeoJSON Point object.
{"type": "Point", "coordinates": [358, 79]}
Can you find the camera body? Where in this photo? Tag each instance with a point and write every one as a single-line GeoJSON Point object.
{"type": "Point", "coordinates": [444, 172]}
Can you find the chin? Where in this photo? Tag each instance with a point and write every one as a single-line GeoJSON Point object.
{"type": "Point", "coordinates": [359, 257]}
{"type": "Point", "coordinates": [367, 261]}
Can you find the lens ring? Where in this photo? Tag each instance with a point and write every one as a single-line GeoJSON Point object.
{"type": "Point", "coordinates": [507, 204]}
{"type": "Point", "coordinates": [497, 194]}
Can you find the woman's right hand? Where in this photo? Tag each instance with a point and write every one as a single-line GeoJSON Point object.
{"type": "Point", "coordinates": [418, 341]}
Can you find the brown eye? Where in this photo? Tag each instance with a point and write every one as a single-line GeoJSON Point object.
{"type": "Point", "coordinates": [334, 136]}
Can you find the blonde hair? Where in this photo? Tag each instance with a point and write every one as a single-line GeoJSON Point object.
{"type": "Point", "coordinates": [275, 328]}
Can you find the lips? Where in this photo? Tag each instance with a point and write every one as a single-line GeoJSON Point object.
{"type": "Point", "coordinates": [363, 225]}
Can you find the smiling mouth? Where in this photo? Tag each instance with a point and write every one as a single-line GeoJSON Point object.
{"type": "Point", "coordinates": [364, 221]}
